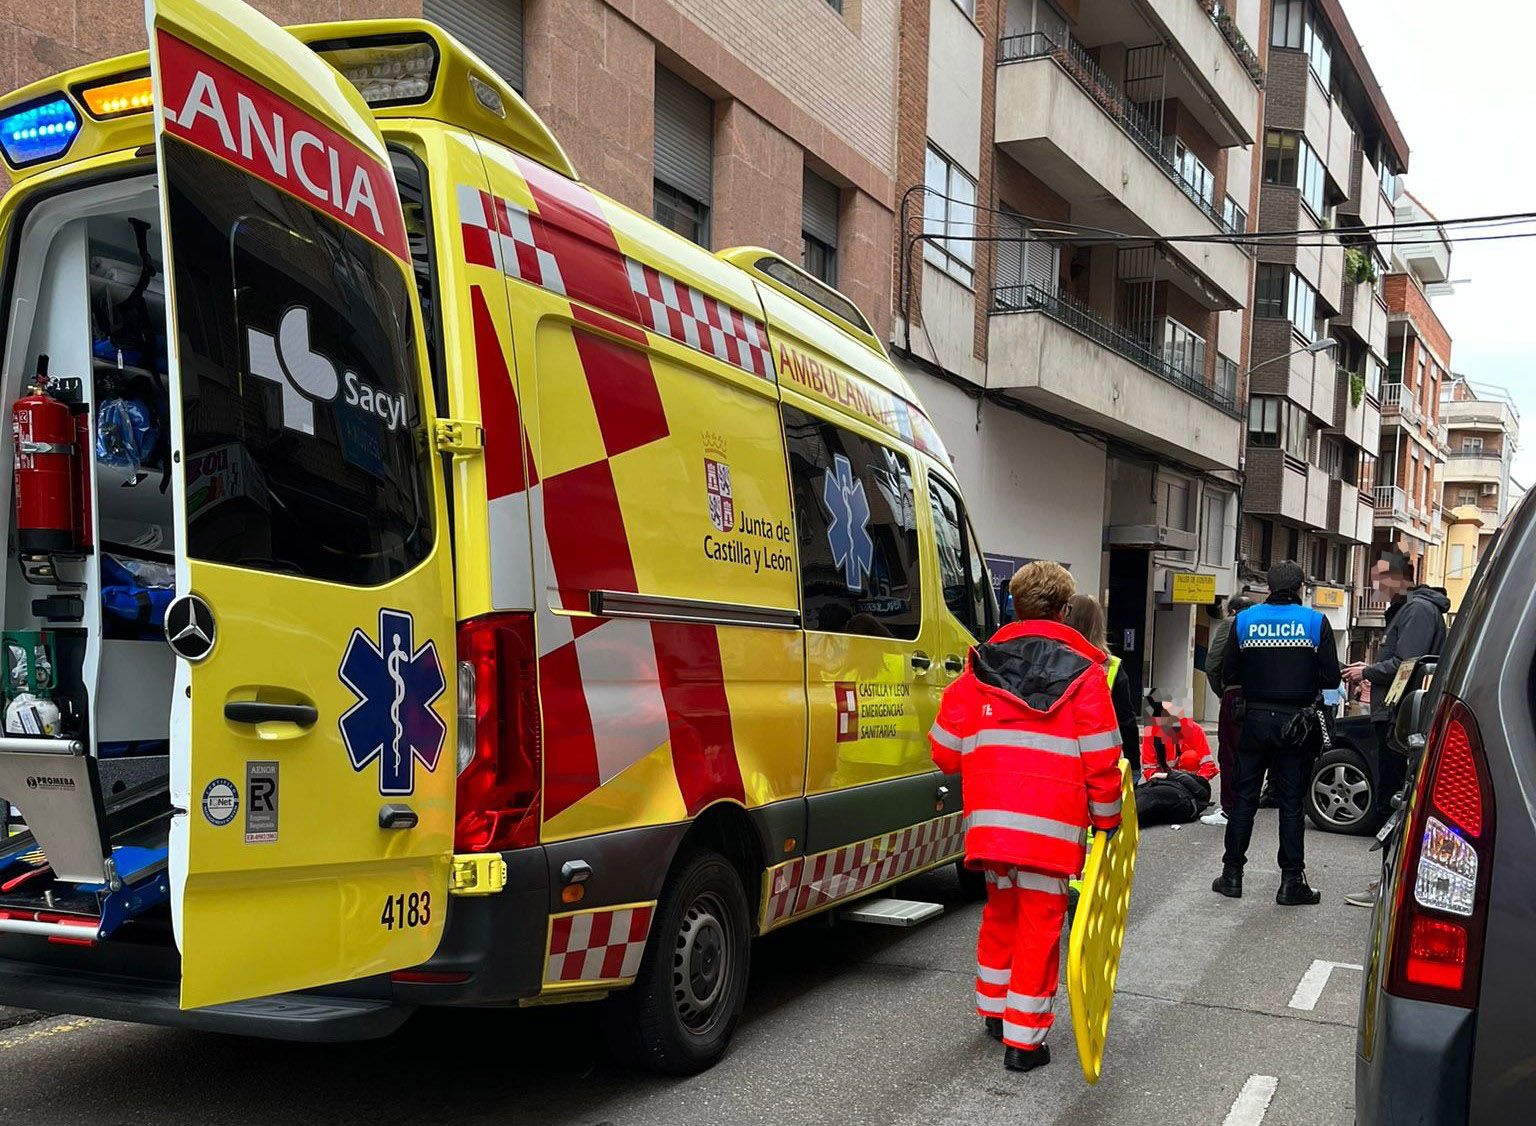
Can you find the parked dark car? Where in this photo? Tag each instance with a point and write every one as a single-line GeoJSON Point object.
{"type": "Point", "coordinates": [1450, 997]}
{"type": "Point", "coordinates": [1343, 793]}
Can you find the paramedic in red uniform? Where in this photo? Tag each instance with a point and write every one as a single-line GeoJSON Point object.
{"type": "Point", "coordinates": [1174, 742]}
{"type": "Point", "coordinates": [1030, 728]}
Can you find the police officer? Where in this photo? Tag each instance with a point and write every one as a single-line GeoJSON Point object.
{"type": "Point", "coordinates": [1281, 655]}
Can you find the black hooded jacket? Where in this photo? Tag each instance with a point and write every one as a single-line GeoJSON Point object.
{"type": "Point", "coordinates": [1415, 629]}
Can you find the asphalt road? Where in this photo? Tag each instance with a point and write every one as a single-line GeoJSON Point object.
{"type": "Point", "coordinates": [850, 1024]}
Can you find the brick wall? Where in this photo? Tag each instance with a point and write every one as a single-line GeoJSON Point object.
{"type": "Point", "coordinates": [758, 175]}
{"type": "Point", "coordinates": [1403, 296]}
{"type": "Point", "coordinates": [911, 145]}
{"type": "Point", "coordinates": [989, 17]}
{"type": "Point", "coordinates": [1285, 90]}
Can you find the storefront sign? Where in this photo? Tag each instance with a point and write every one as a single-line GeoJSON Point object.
{"type": "Point", "coordinates": [1189, 587]}
{"type": "Point", "coordinates": [1328, 597]}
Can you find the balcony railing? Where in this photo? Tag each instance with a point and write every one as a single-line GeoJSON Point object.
{"type": "Point", "coordinates": [1391, 499]}
{"type": "Point", "coordinates": [1395, 399]}
{"type": "Point", "coordinates": [1084, 321]}
{"type": "Point", "coordinates": [1244, 51]}
{"type": "Point", "coordinates": [1073, 59]}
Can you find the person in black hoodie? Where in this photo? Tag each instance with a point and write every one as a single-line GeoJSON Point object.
{"type": "Point", "coordinates": [1415, 620]}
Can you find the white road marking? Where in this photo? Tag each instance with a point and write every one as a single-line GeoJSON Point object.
{"type": "Point", "coordinates": [1314, 981]}
{"type": "Point", "coordinates": [1252, 1101]}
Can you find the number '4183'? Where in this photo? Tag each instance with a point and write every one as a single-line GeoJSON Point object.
{"type": "Point", "coordinates": [402, 911]}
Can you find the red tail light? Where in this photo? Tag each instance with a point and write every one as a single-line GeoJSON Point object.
{"type": "Point", "coordinates": [1440, 910]}
{"type": "Point", "coordinates": [500, 767]}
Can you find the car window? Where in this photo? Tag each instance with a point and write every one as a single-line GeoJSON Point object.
{"type": "Point", "coordinates": [962, 570]}
{"type": "Point", "coordinates": [856, 521]}
{"type": "Point", "coordinates": [305, 439]}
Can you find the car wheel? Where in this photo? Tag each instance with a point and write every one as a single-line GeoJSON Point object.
{"type": "Point", "coordinates": [679, 1015]}
{"type": "Point", "coordinates": [1340, 797]}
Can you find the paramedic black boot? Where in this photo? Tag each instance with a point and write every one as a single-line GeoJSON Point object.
{"type": "Point", "coordinates": [1023, 1059]}
{"type": "Point", "coordinates": [1230, 882]}
{"type": "Point", "coordinates": [1295, 892]}
{"type": "Point", "coordinates": [995, 1027]}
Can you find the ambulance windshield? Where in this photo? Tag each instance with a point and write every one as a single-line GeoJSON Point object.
{"type": "Point", "coordinates": [301, 413]}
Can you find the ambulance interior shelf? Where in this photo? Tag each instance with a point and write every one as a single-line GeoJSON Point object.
{"type": "Point", "coordinates": [92, 788]}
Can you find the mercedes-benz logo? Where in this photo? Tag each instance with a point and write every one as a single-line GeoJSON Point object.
{"type": "Point", "coordinates": [189, 627]}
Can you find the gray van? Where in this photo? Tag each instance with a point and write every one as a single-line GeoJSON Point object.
{"type": "Point", "coordinates": [1448, 1015]}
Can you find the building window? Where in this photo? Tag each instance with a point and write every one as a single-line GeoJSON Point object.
{"type": "Point", "coordinates": [1466, 496]}
{"type": "Point", "coordinates": [1291, 162]}
{"type": "Point", "coordinates": [1373, 378]}
{"type": "Point", "coordinates": [1269, 290]}
{"type": "Point", "coordinates": [1193, 172]}
{"type": "Point", "coordinates": [1213, 528]}
{"type": "Point", "coordinates": [1330, 457]}
{"type": "Point", "coordinates": [1301, 306]}
{"type": "Point", "coordinates": [1173, 502]}
{"type": "Point", "coordinates": [1286, 20]}
{"type": "Point", "coordinates": [1296, 24]}
{"type": "Point", "coordinates": [818, 227]}
{"type": "Point", "coordinates": [1233, 217]}
{"type": "Point", "coordinates": [1276, 423]}
{"type": "Point", "coordinates": [949, 216]}
{"type": "Point", "coordinates": [684, 157]}
{"type": "Point", "coordinates": [1470, 444]}
{"type": "Point", "coordinates": [1318, 45]}
{"type": "Point", "coordinates": [495, 27]}
{"type": "Point", "coordinates": [1184, 350]}
{"type": "Point", "coordinates": [1226, 377]}
{"type": "Point", "coordinates": [836, 6]}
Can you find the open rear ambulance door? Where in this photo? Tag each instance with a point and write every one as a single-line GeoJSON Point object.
{"type": "Point", "coordinates": [312, 771]}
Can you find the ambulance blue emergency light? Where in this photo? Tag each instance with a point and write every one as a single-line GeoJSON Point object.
{"type": "Point", "coordinates": [39, 131]}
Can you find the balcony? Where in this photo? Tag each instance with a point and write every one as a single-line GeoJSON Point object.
{"type": "Point", "coordinates": [1480, 414]}
{"type": "Point", "coordinates": [1474, 466]}
{"type": "Point", "coordinates": [1365, 313]}
{"type": "Point", "coordinates": [1051, 351]}
{"type": "Point", "coordinates": [1062, 118]}
{"type": "Point", "coordinates": [1399, 406]}
{"type": "Point", "coordinates": [1346, 517]}
{"type": "Point", "coordinates": [1391, 501]}
{"type": "Point", "coordinates": [1366, 199]}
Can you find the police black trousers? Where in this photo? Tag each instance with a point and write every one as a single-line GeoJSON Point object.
{"type": "Point", "coordinates": [1263, 749]}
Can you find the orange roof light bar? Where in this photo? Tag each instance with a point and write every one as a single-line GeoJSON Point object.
{"type": "Point", "coordinates": [118, 96]}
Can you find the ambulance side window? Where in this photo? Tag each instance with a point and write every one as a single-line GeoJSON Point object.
{"type": "Point", "coordinates": [856, 521]}
{"type": "Point", "coordinates": [304, 438]}
{"type": "Point", "coordinates": [962, 570]}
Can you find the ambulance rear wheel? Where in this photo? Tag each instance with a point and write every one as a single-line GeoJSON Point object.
{"type": "Point", "coordinates": [679, 1015]}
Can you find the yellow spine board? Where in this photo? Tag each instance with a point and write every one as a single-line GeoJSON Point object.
{"type": "Point", "coordinates": [1098, 932]}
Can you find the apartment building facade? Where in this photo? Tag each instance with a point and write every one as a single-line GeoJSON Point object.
{"type": "Point", "coordinates": [1482, 427]}
{"type": "Point", "coordinates": [1331, 155]}
{"type": "Point", "coordinates": [1088, 383]}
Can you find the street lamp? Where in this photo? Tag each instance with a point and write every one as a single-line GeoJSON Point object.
{"type": "Point", "coordinates": [1326, 344]}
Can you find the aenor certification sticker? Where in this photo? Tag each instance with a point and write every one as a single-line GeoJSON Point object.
{"type": "Point", "coordinates": [260, 802]}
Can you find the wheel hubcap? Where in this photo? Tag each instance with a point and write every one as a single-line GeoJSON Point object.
{"type": "Point", "coordinates": [701, 964]}
{"type": "Point", "coordinates": [1342, 794]}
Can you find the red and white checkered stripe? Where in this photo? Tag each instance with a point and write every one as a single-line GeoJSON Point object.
{"type": "Point", "coordinates": [679, 311]}
{"type": "Point", "coordinates": [601, 945]}
{"type": "Point", "coordinates": [500, 234]}
{"type": "Point", "coordinates": [812, 881]}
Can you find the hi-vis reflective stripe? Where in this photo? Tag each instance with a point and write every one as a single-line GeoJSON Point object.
{"type": "Point", "coordinates": [1023, 1003]}
{"type": "Point", "coordinates": [1022, 1033]}
{"type": "Point", "coordinates": [1027, 881]}
{"type": "Point", "coordinates": [946, 738]}
{"type": "Point", "coordinates": [990, 1005]}
{"type": "Point", "coordinates": [993, 976]}
{"type": "Point", "coordinates": [1025, 823]}
{"type": "Point", "coordinates": [1016, 737]}
{"type": "Point", "coordinates": [1104, 808]}
{"type": "Point", "coordinates": [1103, 741]}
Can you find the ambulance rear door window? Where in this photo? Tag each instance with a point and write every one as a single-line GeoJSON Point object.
{"type": "Point", "coordinates": [857, 527]}
{"type": "Point", "coordinates": [962, 570]}
{"type": "Point", "coordinates": [304, 435]}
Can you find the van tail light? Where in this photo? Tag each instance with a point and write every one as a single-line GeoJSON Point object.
{"type": "Point", "coordinates": [499, 760]}
{"type": "Point", "coordinates": [1440, 908]}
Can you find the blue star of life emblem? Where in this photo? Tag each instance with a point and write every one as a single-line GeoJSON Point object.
{"type": "Point", "coordinates": [848, 533]}
{"type": "Point", "coordinates": [395, 685]}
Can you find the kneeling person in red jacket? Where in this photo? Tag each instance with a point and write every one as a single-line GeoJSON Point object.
{"type": "Point", "coordinates": [1031, 730]}
{"type": "Point", "coordinates": [1174, 742]}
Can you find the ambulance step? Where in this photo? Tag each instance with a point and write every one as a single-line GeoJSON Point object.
{"type": "Point", "coordinates": [891, 912]}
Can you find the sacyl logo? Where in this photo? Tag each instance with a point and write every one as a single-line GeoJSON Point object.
{"type": "Point", "coordinates": [49, 782]}
{"type": "Point", "coordinates": [307, 377]}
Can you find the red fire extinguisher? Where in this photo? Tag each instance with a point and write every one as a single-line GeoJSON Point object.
{"type": "Point", "coordinates": [43, 433]}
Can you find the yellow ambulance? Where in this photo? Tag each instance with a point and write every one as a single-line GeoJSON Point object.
{"type": "Point", "coordinates": [477, 593]}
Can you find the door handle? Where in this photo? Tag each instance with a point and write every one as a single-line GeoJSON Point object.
{"type": "Point", "coordinates": [921, 661]}
{"type": "Point", "coordinates": [397, 816]}
{"type": "Point", "coordinates": [954, 665]}
{"type": "Point", "coordinates": [257, 711]}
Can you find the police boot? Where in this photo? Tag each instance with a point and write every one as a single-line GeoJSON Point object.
{"type": "Point", "coordinates": [1295, 892]}
{"type": "Point", "coordinates": [1025, 1059]}
{"type": "Point", "coordinates": [994, 1027]}
{"type": "Point", "coordinates": [1230, 882]}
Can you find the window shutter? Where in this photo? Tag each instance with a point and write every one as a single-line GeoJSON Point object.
{"type": "Point", "coordinates": [685, 136]}
{"type": "Point", "coordinates": [818, 209]}
{"type": "Point", "coordinates": [1010, 254]}
{"type": "Point", "coordinates": [1040, 265]}
{"type": "Point", "coordinates": [492, 29]}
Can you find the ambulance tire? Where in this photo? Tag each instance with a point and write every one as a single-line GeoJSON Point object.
{"type": "Point", "coordinates": [678, 1017]}
{"type": "Point", "coordinates": [973, 881]}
